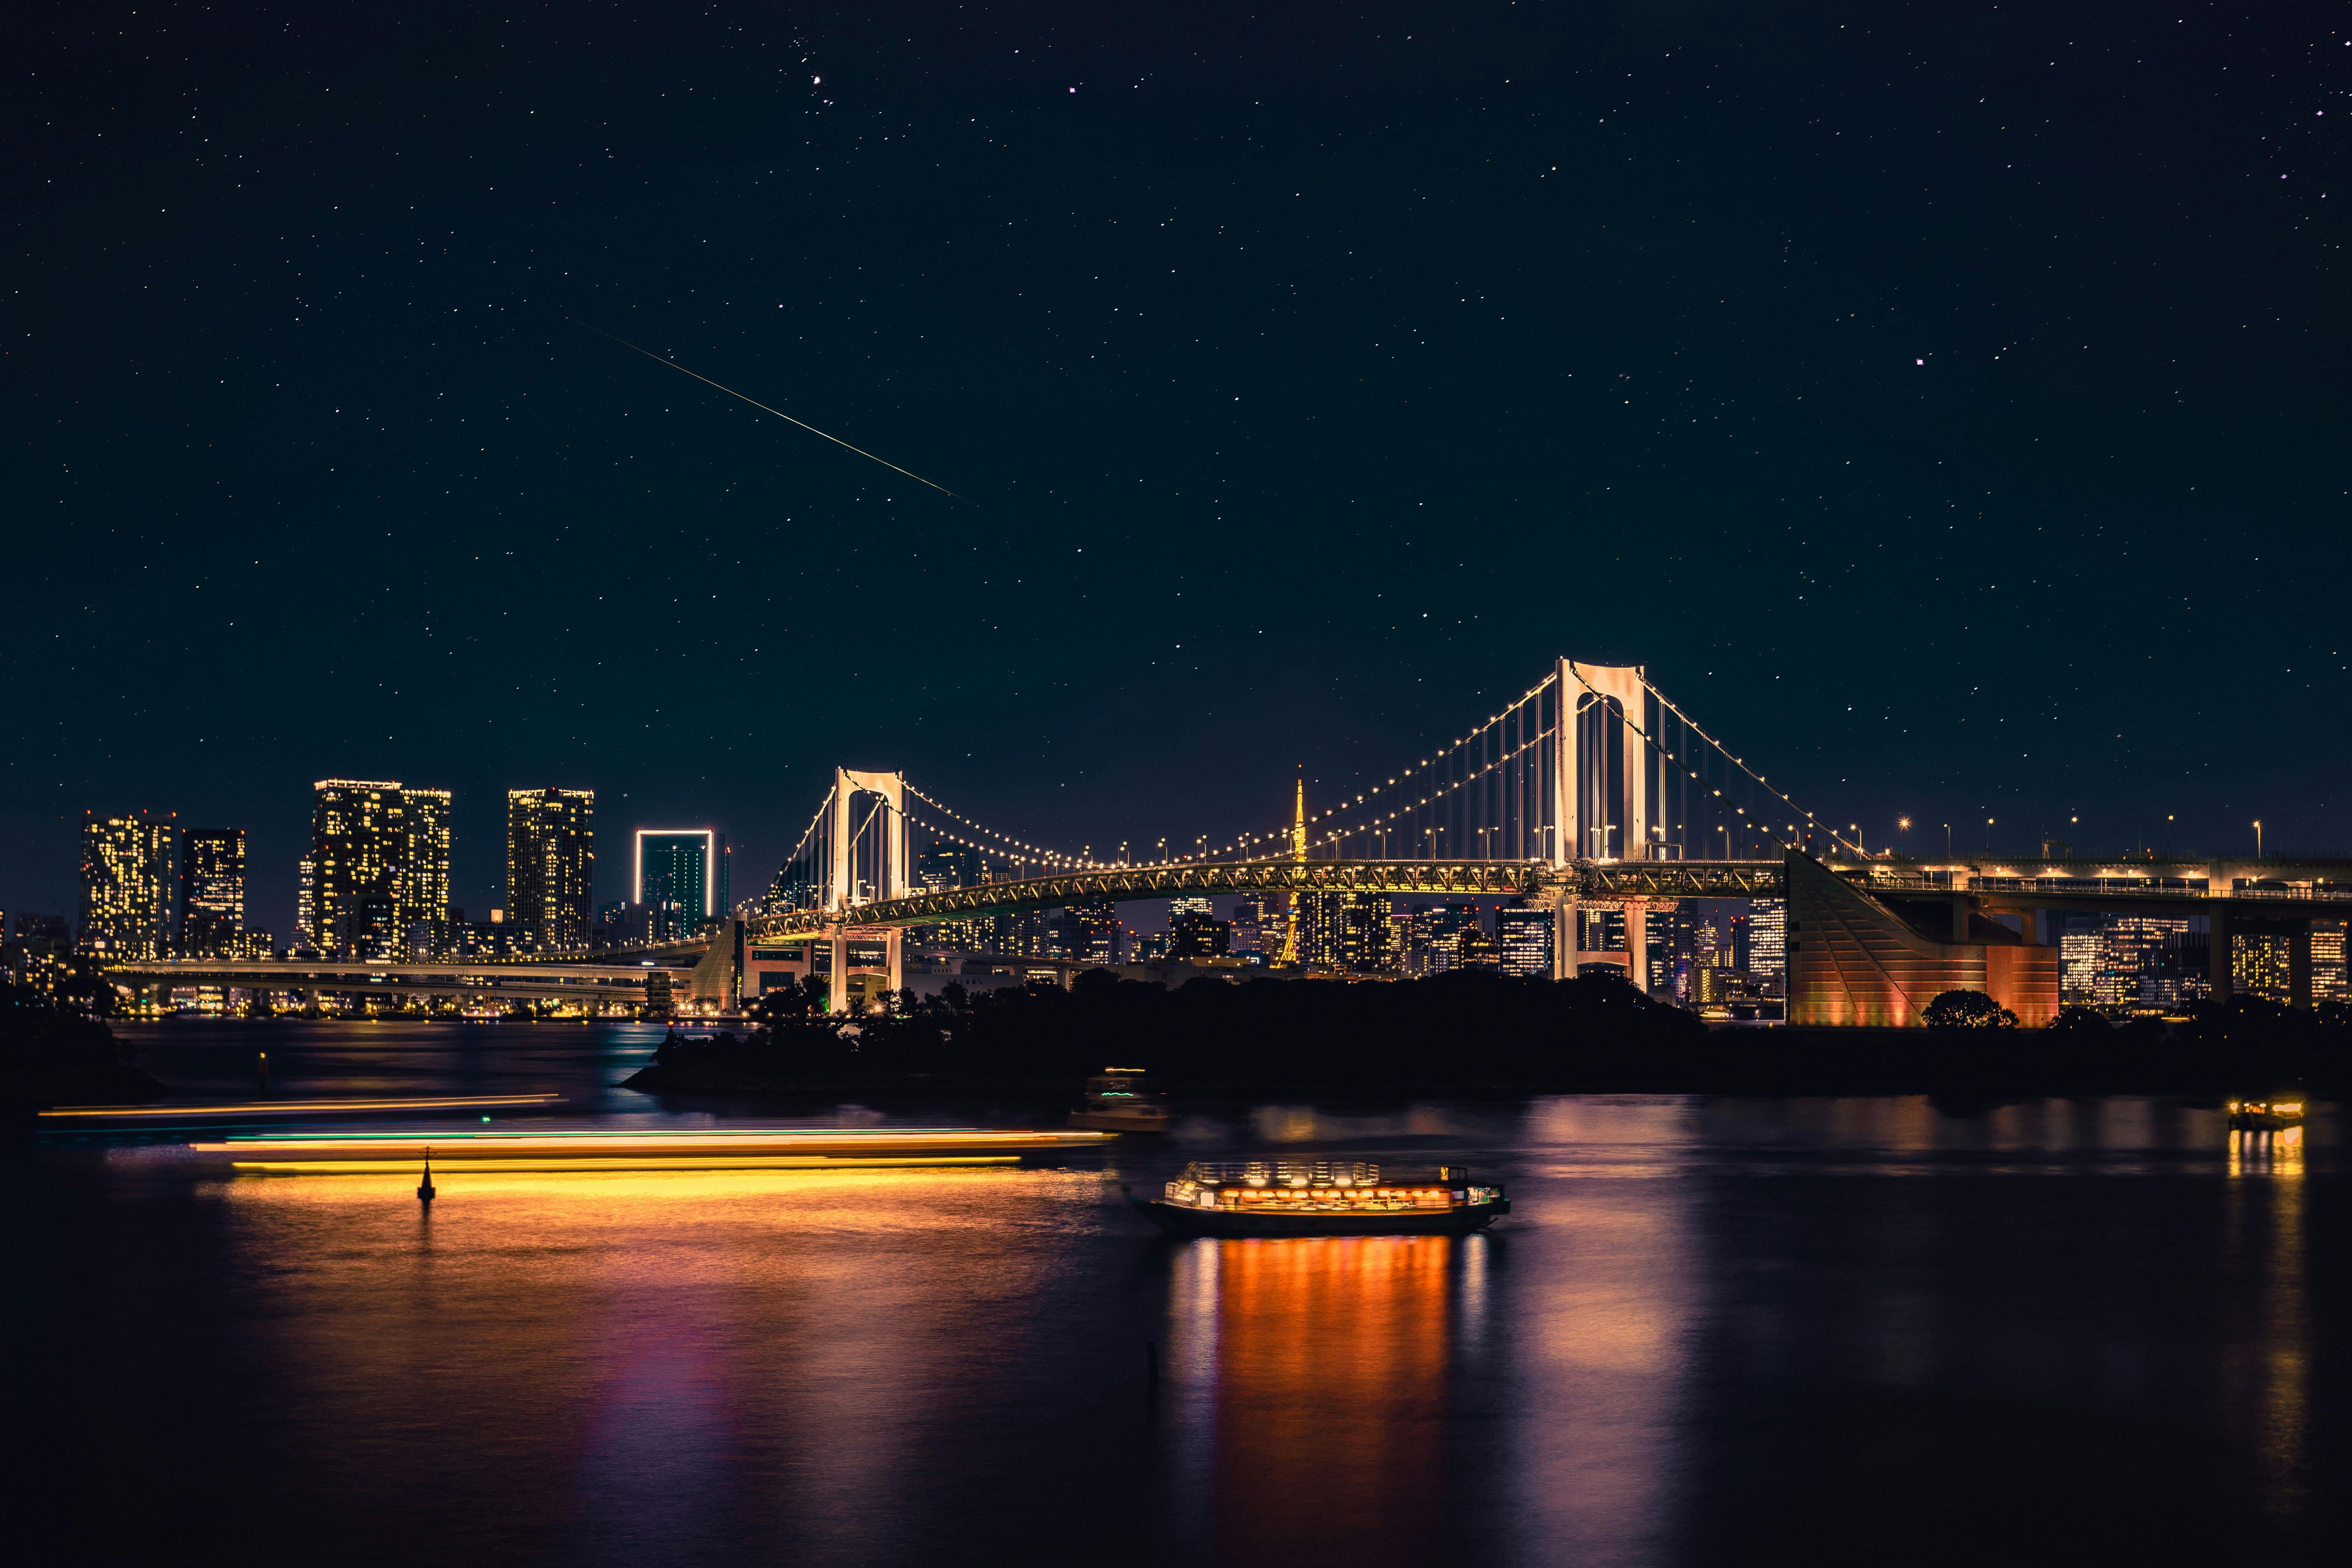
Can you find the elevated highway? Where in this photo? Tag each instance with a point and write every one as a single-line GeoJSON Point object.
{"type": "Point", "coordinates": [591, 984]}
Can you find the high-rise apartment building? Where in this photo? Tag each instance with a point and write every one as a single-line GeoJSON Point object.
{"type": "Point", "coordinates": [1364, 947]}
{"type": "Point", "coordinates": [212, 890]}
{"type": "Point", "coordinates": [424, 888]}
{"type": "Point", "coordinates": [1346, 931]}
{"type": "Point", "coordinates": [379, 863]}
{"type": "Point", "coordinates": [306, 904]}
{"type": "Point", "coordinates": [2258, 966]}
{"type": "Point", "coordinates": [130, 885]}
{"type": "Point", "coordinates": [550, 866]}
{"type": "Point", "coordinates": [688, 867]}
{"type": "Point", "coordinates": [1322, 924]}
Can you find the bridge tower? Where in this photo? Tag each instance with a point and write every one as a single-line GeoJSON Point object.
{"type": "Point", "coordinates": [890, 875]}
{"type": "Point", "coordinates": [1603, 716]}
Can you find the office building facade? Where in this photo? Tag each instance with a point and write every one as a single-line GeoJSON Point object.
{"type": "Point", "coordinates": [688, 867]}
{"type": "Point", "coordinates": [1525, 938]}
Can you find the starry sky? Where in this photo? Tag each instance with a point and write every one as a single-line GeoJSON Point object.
{"type": "Point", "coordinates": [1946, 402]}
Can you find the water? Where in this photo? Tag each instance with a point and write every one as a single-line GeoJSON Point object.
{"type": "Point", "coordinates": [1840, 1329]}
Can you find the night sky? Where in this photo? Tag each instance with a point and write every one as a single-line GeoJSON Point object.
{"type": "Point", "coordinates": [1946, 402]}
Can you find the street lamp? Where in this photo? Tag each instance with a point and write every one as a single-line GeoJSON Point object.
{"type": "Point", "coordinates": [1948, 841]}
{"type": "Point", "coordinates": [1987, 834]}
{"type": "Point", "coordinates": [1902, 827]}
{"type": "Point", "coordinates": [2258, 838]}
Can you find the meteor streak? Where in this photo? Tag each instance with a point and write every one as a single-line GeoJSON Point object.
{"type": "Point", "coordinates": [765, 410]}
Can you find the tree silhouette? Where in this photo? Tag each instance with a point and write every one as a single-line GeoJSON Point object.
{"type": "Point", "coordinates": [1968, 1010]}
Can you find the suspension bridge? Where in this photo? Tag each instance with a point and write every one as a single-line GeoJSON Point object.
{"type": "Point", "coordinates": [1592, 789]}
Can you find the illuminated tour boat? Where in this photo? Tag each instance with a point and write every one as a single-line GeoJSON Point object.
{"type": "Point", "coordinates": [1296, 1197]}
{"type": "Point", "coordinates": [2272, 1115]}
{"type": "Point", "coordinates": [1121, 1101]}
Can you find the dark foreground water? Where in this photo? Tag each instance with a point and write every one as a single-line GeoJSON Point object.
{"type": "Point", "coordinates": [1827, 1330]}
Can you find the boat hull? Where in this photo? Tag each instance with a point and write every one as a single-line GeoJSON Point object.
{"type": "Point", "coordinates": [1111, 1121]}
{"type": "Point", "coordinates": [1178, 1220]}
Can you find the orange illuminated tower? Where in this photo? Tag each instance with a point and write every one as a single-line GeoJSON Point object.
{"type": "Point", "coordinates": [1299, 853]}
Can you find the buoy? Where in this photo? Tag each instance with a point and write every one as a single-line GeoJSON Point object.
{"type": "Point", "coordinates": [425, 1188]}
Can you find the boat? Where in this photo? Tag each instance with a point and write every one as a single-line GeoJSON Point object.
{"type": "Point", "coordinates": [1299, 1197]}
{"type": "Point", "coordinates": [1122, 1100]}
{"type": "Point", "coordinates": [2271, 1115]}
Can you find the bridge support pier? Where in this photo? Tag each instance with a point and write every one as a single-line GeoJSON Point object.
{"type": "Point", "coordinates": [1564, 934]}
{"type": "Point", "coordinates": [836, 996]}
{"type": "Point", "coordinates": [1637, 944]}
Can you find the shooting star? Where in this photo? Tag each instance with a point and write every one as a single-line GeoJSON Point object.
{"type": "Point", "coordinates": [765, 410]}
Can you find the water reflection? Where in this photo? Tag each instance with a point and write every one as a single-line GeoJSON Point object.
{"type": "Point", "coordinates": [1714, 1330]}
{"type": "Point", "coordinates": [2266, 1232]}
{"type": "Point", "coordinates": [1316, 1374]}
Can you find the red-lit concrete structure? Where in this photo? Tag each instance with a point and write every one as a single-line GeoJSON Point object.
{"type": "Point", "coordinates": [1860, 958]}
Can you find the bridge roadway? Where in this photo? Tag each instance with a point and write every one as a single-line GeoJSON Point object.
{"type": "Point", "coordinates": [2243, 892]}
{"type": "Point", "coordinates": [2302, 889]}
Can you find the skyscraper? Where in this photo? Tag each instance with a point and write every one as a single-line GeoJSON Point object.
{"type": "Point", "coordinates": [1364, 946]}
{"type": "Point", "coordinates": [379, 863]}
{"type": "Point", "coordinates": [686, 867]}
{"type": "Point", "coordinates": [212, 890]}
{"type": "Point", "coordinates": [2083, 963]}
{"type": "Point", "coordinates": [1097, 932]}
{"type": "Point", "coordinates": [1525, 938]}
{"type": "Point", "coordinates": [1439, 935]}
{"type": "Point", "coordinates": [550, 866]}
{"type": "Point", "coordinates": [1768, 945]}
{"type": "Point", "coordinates": [424, 826]}
{"type": "Point", "coordinates": [2327, 975]}
{"type": "Point", "coordinates": [130, 885]}
{"type": "Point", "coordinates": [306, 904]}
{"type": "Point", "coordinates": [945, 867]}
{"type": "Point", "coordinates": [1196, 933]}
{"type": "Point", "coordinates": [2258, 965]}
{"type": "Point", "coordinates": [1320, 923]}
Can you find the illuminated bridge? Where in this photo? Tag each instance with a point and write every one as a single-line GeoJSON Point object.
{"type": "Point", "coordinates": [1592, 788]}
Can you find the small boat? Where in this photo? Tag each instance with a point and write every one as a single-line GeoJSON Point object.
{"type": "Point", "coordinates": [1120, 1100]}
{"type": "Point", "coordinates": [1298, 1198]}
{"type": "Point", "coordinates": [2279, 1111]}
